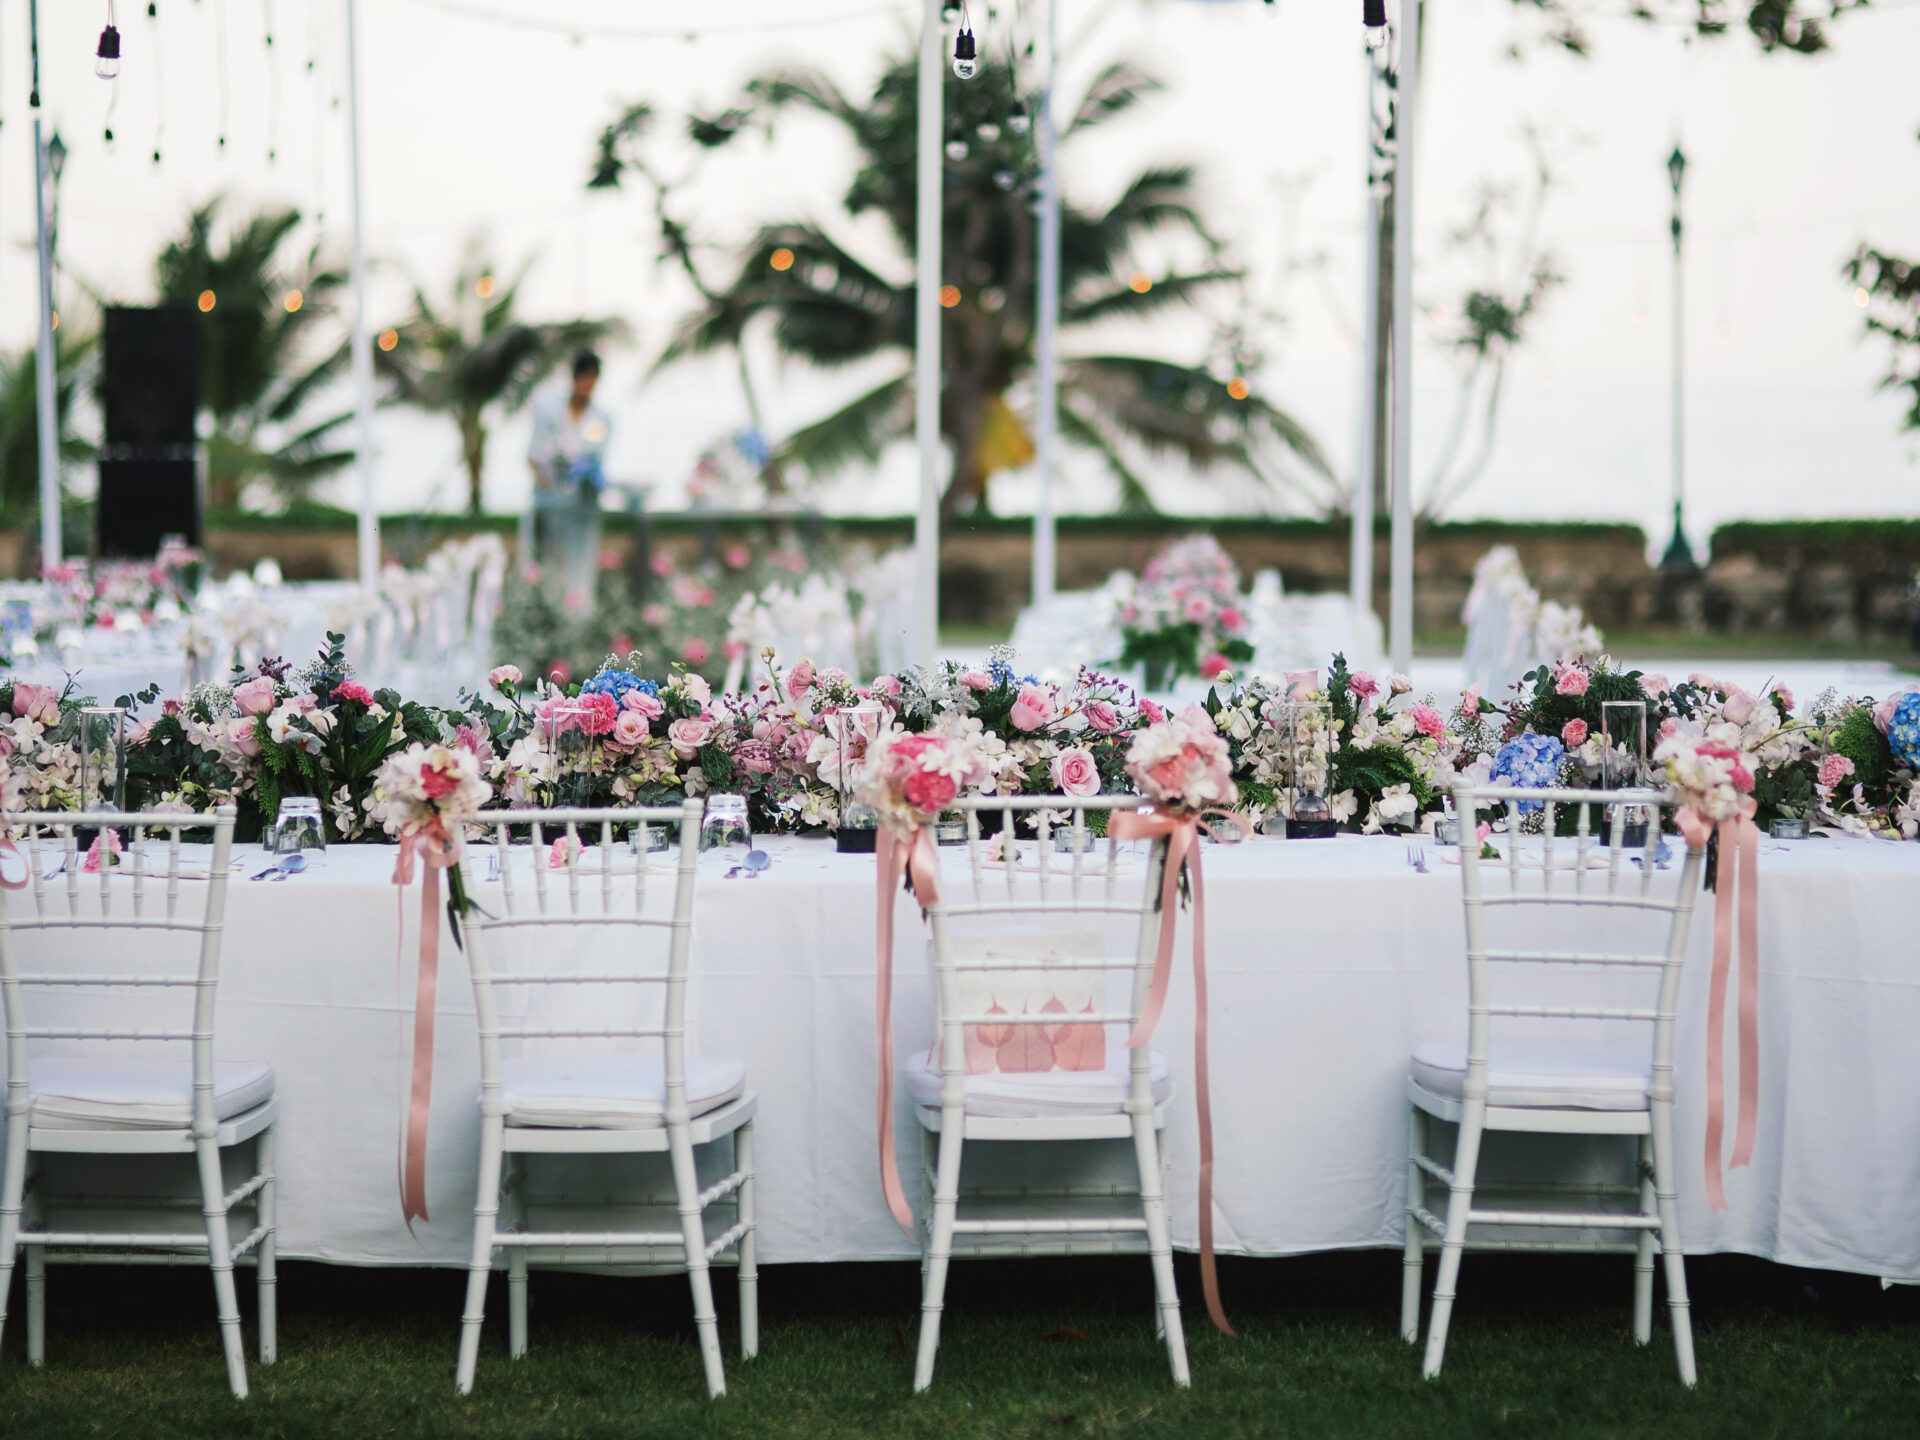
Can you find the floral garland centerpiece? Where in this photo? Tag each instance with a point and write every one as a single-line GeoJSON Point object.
{"type": "Point", "coordinates": [1184, 617]}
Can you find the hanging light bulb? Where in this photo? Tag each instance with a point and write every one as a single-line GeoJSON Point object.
{"type": "Point", "coordinates": [1017, 119]}
{"type": "Point", "coordinates": [106, 63]}
{"type": "Point", "coordinates": [949, 14]}
{"type": "Point", "coordinates": [988, 131]}
{"type": "Point", "coordinates": [965, 62]}
{"type": "Point", "coordinates": [956, 145]}
{"type": "Point", "coordinates": [1005, 179]}
{"type": "Point", "coordinates": [1374, 17]}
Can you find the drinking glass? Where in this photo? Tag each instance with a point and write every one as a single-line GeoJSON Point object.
{"type": "Point", "coordinates": [571, 752]}
{"type": "Point", "coordinates": [103, 758]}
{"type": "Point", "coordinates": [724, 827]}
{"type": "Point", "coordinates": [298, 827]}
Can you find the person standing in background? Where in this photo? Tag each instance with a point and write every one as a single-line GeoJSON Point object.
{"type": "Point", "coordinates": [570, 436]}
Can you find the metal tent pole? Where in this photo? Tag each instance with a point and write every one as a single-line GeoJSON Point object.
{"type": "Point", "coordinates": [1046, 356]}
{"type": "Point", "coordinates": [362, 343]}
{"type": "Point", "coordinates": [1360, 564]}
{"type": "Point", "coordinates": [926, 315]}
{"type": "Point", "coordinates": [46, 380]}
{"type": "Point", "coordinates": [1400, 608]}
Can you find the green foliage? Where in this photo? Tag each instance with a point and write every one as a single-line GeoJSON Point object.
{"type": "Point", "coordinates": [77, 347]}
{"type": "Point", "coordinates": [1893, 298]}
{"type": "Point", "coordinates": [1173, 651]}
{"type": "Point", "coordinates": [1860, 740]}
{"type": "Point", "coordinates": [1547, 711]}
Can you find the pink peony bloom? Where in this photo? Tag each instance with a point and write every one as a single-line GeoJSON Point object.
{"type": "Point", "coordinates": [598, 714]}
{"type": "Point", "coordinates": [647, 707]}
{"type": "Point", "coordinates": [243, 737]}
{"type": "Point", "coordinates": [1429, 722]}
{"type": "Point", "coordinates": [36, 702]}
{"type": "Point", "coordinates": [1214, 666]}
{"type": "Point", "coordinates": [1834, 769]}
{"type": "Point", "coordinates": [1570, 679]}
{"type": "Point", "coordinates": [1032, 709]}
{"type": "Point", "coordinates": [1573, 734]}
{"type": "Point", "coordinates": [629, 730]}
{"type": "Point", "coordinates": [1103, 717]}
{"type": "Point", "coordinates": [977, 680]}
{"type": "Point", "coordinates": [255, 697]}
{"type": "Point", "coordinates": [930, 791]}
{"type": "Point", "coordinates": [695, 652]}
{"type": "Point", "coordinates": [799, 680]}
{"type": "Point", "coordinates": [1075, 773]}
{"type": "Point", "coordinates": [689, 735]}
{"type": "Point", "coordinates": [1739, 708]}
{"type": "Point", "coordinates": [1655, 684]}
{"type": "Point", "coordinates": [1362, 686]}
{"type": "Point", "coordinates": [504, 677]}
{"type": "Point", "coordinates": [353, 690]}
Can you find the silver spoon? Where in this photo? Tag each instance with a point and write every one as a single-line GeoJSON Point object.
{"type": "Point", "coordinates": [286, 865]}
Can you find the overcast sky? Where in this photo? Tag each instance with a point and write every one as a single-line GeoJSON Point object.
{"type": "Point", "coordinates": [478, 127]}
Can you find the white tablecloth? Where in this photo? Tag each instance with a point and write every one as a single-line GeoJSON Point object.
{"type": "Point", "coordinates": [1329, 961]}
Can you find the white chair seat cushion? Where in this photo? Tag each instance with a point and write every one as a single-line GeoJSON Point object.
{"type": "Point", "coordinates": [1574, 1078]}
{"type": "Point", "coordinates": [610, 1092]}
{"type": "Point", "coordinates": [1041, 1094]}
{"type": "Point", "coordinates": [79, 1094]}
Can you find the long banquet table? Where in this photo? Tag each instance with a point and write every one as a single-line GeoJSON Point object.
{"type": "Point", "coordinates": [1328, 962]}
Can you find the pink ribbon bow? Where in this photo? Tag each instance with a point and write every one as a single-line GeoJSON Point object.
{"type": "Point", "coordinates": [1182, 832]}
{"type": "Point", "coordinates": [1739, 868]}
{"type": "Point", "coordinates": [7, 847]}
{"type": "Point", "coordinates": [436, 850]}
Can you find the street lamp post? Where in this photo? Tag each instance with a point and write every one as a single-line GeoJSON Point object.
{"type": "Point", "coordinates": [1679, 554]}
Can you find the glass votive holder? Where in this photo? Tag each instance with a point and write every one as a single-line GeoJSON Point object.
{"type": "Point", "coordinates": [1792, 827]}
{"type": "Point", "coordinates": [950, 832]}
{"type": "Point", "coordinates": [298, 828]}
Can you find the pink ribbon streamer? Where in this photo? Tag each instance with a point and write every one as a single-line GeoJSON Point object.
{"type": "Point", "coordinates": [1739, 870]}
{"type": "Point", "coordinates": [436, 851]}
{"type": "Point", "coordinates": [912, 856]}
{"type": "Point", "coordinates": [1182, 832]}
{"type": "Point", "coordinates": [7, 847]}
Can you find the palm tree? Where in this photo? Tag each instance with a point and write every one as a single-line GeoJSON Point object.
{"type": "Point", "coordinates": [832, 309]}
{"type": "Point", "coordinates": [263, 360]}
{"type": "Point", "coordinates": [76, 349]}
{"type": "Point", "coordinates": [475, 356]}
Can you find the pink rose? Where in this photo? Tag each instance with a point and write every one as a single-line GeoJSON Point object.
{"type": "Point", "coordinates": [688, 736]}
{"type": "Point", "coordinates": [882, 685]}
{"type": "Point", "coordinates": [1573, 734]}
{"type": "Point", "coordinates": [697, 689]}
{"type": "Point", "coordinates": [1781, 696]}
{"type": "Point", "coordinates": [173, 707]}
{"type": "Point", "coordinates": [1301, 683]}
{"type": "Point", "coordinates": [1214, 666]}
{"type": "Point", "coordinates": [353, 690]}
{"type": "Point", "coordinates": [662, 563]}
{"type": "Point", "coordinates": [977, 680]}
{"type": "Point", "coordinates": [242, 736]}
{"type": "Point", "coordinates": [1154, 714]}
{"type": "Point", "coordinates": [504, 677]}
{"type": "Point", "coordinates": [695, 652]}
{"type": "Point", "coordinates": [255, 697]}
{"type": "Point", "coordinates": [930, 791]}
{"type": "Point", "coordinates": [1655, 684]}
{"type": "Point", "coordinates": [647, 707]}
{"type": "Point", "coordinates": [1703, 680]}
{"type": "Point", "coordinates": [1668, 727]}
{"type": "Point", "coordinates": [1075, 773]}
{"type": "Point", "coordinates": [1470, 700]}
{"type": "Point", "coordinates": [1103, 717]}
{"type": "Point", "coordinates": [1570, 679]}
{"type": "Point", "coordinates": [629, 730]}
{"type": "Point", "coordinates": [36, 702]}
{"type": "Point", "coordinates": [653, 614]}
{"type": "Point", "coordinates": [799, 680]}
{"type": "Point", "coordinates": [1362, 686]}
{"type": "Point", "coordinates": [1031, 709]}
{"type": "Point", "coordinates": [1739, 708]}
{"type": "Point", "coordinates": [1833, 770]}
{"type": "Point", "coordinates": [1429, 722]}
{"type": "Point", "coordinates": [736, 557]}
{"type": "Point", "coordinates": [1230, 618]}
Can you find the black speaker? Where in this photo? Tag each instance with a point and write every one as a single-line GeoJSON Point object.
{"type": "Point", "coordinates": [149, 393]}
{"type": "Point", "coordinates": [143, 501]}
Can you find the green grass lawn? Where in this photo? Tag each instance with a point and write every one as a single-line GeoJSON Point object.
{"type": "Point", "coordinates": [1041, 1349]}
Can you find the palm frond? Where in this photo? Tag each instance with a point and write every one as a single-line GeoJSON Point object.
{"type": "Point", "coordinates": [1114, 91]}
{"type": "Point", "coordinates": [858, 430]}
{"type": "Point", "coordinates": [1123, 302]}
{"type": "Point", "coordinates": [1077, 429]}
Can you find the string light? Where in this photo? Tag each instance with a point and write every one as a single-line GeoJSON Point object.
{"type": "Point", "coordinates": [1140, 282]}
{"type": "Point", "coordinates": [956, 144]}
{"type": "Point", "coordinates": [389, 339]}
{"type": "Point", "coordinates": [949, 296]}
{"type": "Point", "coordinates": [106, 62]}
{"type": "Point", "coordinates": [1018, 120]}
{"type": "Point", "coordinates": [966, 62]}
{"type": "Point", "coordinates": [781, 259]}
{"type": "Point", "coordinates": [1237, 388]}
{"type": "Point", "coordinates": [206, 302]}
{"type": "Point", "coordinates": [988, 131]}
{"type": "Point", "coordinates": [483, 287]}
{"type": "Point", "coordinates": [1374, 17]}
{"type": "Point", "coordinates": [1860, 296]}
{"type": "Point", "coordinates": [294, 301]}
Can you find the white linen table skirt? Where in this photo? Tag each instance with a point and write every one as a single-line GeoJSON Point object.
{"type": "Point", "coordinates": [1329, 961]}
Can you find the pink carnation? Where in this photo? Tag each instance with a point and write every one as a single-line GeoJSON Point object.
{"type": "Point", "coordinates": [598, 714]}
{"type": "Point", "coordinates": [1834, 769]}
{"type": "Point", "coordinates": [977, 680]}
{"type": "Point", "coordinates": [1470, 700]}
{"type": "Point", "coordinates": [799, 680]}
{"type": "Point", "coordinates": [1573, 734]}
{"type": "Point", "coordinates": [930, 791]}
{"type": "Point", "coordinates": [1153, 713]}
{"type": "Point", "coordinates": [1214, 666]}
{"type": "Point", "coordinates": [1103, 716]}
{"type": "Point", "coordinates": [1362, 686]}
{"type": "Point", "coordinates": [1429, 722]}
{"type": "Point", "coordinates": [353, 690]}
{"type": "Point", "coordinates": [503, 677]}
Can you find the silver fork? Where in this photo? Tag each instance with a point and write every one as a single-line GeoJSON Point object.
{"type": "Point", "coordinates": [1417, 856]}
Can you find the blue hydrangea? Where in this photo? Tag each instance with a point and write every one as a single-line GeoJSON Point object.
{"type": "Point", "coordinates": [617, 683]}
{"type": "Point", "coordinates": [1530, 762]}
{"type": "Point", "coordinates": [1903, 731]}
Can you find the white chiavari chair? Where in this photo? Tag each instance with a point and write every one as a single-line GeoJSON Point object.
{"type": "Point", "coordinates": [70, 1087]}
{"type": "Point", "coordinates": [1567, 913]}
{"type": "Point", "coordinates": [1126, 1099]}
{"type": "Point", "coordinates": [622, 1082]}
